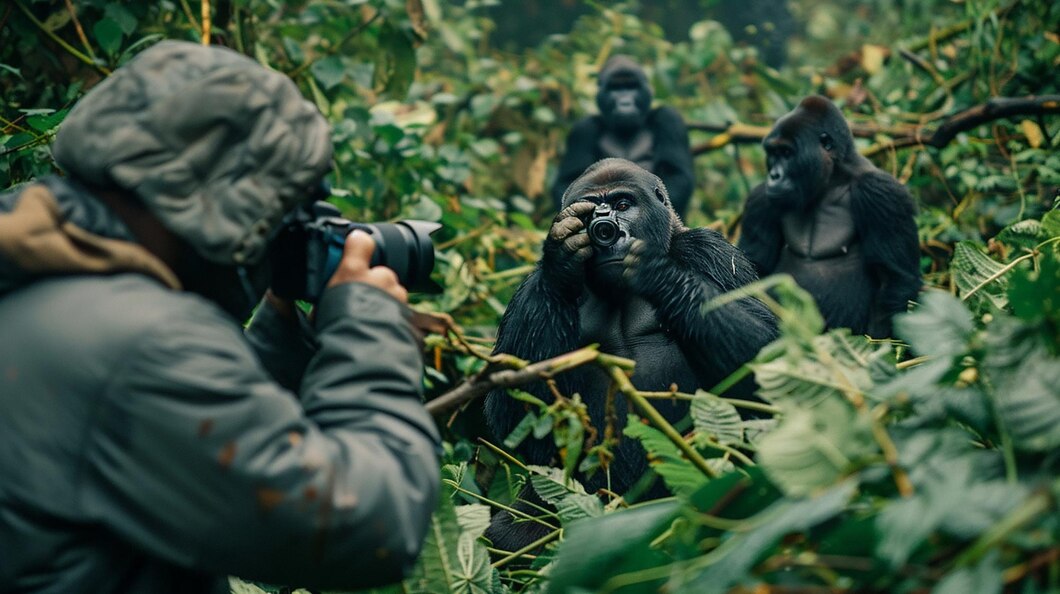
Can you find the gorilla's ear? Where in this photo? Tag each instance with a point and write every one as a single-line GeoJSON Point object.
{"type": "Point", "coordinates": [660, 194]}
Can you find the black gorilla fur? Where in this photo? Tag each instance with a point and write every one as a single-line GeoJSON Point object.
{"type": "Point", "coordinates": [627, 127]}
{"type": "Point", "coordinates": [639, 298]}
{"type": "Point", "coordinates": [841, 227]}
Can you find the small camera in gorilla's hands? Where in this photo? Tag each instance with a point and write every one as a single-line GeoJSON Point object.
{"type": "Point", "coordinates": [603, 229]}
{"type": "Point", "coordinates": [309, 246]}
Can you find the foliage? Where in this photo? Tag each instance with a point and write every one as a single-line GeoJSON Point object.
{"type": "Point", "coordinates": [925, 464]}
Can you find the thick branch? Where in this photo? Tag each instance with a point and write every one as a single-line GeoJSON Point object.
{"type": "Point", "coordinates": [492, 378]}
{"type": "Point", "coordinates": [902, 136]}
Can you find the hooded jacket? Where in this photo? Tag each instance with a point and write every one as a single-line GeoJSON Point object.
{"type": "Point", "coordinates": [148, 444]}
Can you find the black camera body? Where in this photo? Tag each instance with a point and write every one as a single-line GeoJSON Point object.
{"type": "Point", "coordinates": [309, 245]}
{"type": "Point", "coordinates": [603, 229]}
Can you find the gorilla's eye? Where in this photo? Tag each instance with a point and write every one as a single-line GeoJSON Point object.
{"type": "Point", "coordinates": [622, 205]}
{"type": "Point", "coordinates": [784, 152]}
{"type": "Point", "coordinates": [826, 141]}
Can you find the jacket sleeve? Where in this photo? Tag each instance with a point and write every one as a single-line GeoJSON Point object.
{"type": "Point", "coordinates": [197, 456]}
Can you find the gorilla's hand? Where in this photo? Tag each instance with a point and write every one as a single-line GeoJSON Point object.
{"type": "Point", "coordinates": [566, 250]}
{"type": "Point", "coordinates": [649, 268]}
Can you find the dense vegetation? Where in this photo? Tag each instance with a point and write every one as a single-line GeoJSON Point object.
{"type": "Point", "coordinates": [924, 464]}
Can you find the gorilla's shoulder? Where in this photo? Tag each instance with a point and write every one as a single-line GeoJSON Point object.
{"type": "Point", "coordinates": [707, 252]}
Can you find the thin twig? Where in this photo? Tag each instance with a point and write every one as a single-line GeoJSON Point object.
{"type": "Point", "coordinates": [66, 46]}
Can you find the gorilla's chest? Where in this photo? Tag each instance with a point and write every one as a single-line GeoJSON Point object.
{"type": "Point", "coordinates": [631, 329]}
{"type": "Point", "coordinates": [826, 231]}
{"type": "Point", "coordinates": [637, 147]}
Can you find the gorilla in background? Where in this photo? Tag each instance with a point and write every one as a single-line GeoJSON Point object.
{"type": "Point", "coordinates": [841, 227]}
{"type": "Point", "coordinates": [627, 127]}
{"type": "Point", "coordinates": [638, 297]}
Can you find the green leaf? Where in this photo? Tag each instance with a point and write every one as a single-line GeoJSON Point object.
{"type": "Point", "coordinates": [452, 561]}
{"type": "Point", "coordinates": [665, 459]}
{"type": "Point", "coordinates": [940, 326]}
{"type": "Point", "coordinates": [596, 549]}
{"type": "Point", "coordinates": [109, 34]}
{"type": "Point", "coordinates": [329, 71]}
{"type": "Point", "coordinates": [984, 578]}
{"type": "Point", "coordinates": [970, 268]}
{"type": "Point", "coordinates": [737, 555]}
{"type": "Point", "coordinates": [1026, 380]}
{"type": "Point", "coordinates": [1036, 294]}
{"type": "Point", "coordinates": [395, 65]}
{"type": "Point", "coordinates": [714, 418]}
{"type": "Point", "coordinates": [813, 448]}
{"type": "Point", "coordinates": [1026, 233]}
{"type": "Point", "coordinates": [122, 16]}
{"type": "Point", "coordinates": [570, 499]}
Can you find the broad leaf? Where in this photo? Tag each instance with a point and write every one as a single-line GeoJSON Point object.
{"type": "Point", "coordinates": [714, 418]}
{"type": "Point", "coordinates": [597, 549]}
{"type": "Point", "coordinates": [665, 459]}
{"type": "Point", "coordinates": [814, 448]}
{"type": "Point", "coordinates": [735, 558]}
{"type": "Point", "coordinates": [971, 268]}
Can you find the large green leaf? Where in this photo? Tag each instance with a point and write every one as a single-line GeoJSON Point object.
{"type": "Point", "coordinates": [571, 500]}
{"type": "Point", "coordinates": [970, 268]}
{"type": "Point", "coordinates": [733, 560]}
{"type": "Point", "coordinates": [797, 374]}
{"type": "Point", "coordinates": [665, 459]}
{"type": "Point", "coordinates": [813, 448]}
{"type": "Point", "coordinates": [597, 549]}
{"type": "Point", "coordinates": [452, 561]}
{"type": "Point", "coordinates": [983, 578]}
{"type": "Point", "coordinates": [716, 419]}
{"type": "Point", "coordinates": [1026, 381]}
{"type": "Point", "coordinates": [940, 326]}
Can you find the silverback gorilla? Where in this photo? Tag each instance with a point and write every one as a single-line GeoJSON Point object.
{"type": "Point", "coordinates": [638, 297]}
{"type": "Point", "coordinates": [841, 227]}
{"type": "Point", "coordinates": [627, 127]}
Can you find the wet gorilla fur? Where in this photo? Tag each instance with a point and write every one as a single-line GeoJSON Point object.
{"type": "Point", "coordinates": [845, 230]}
{"type": "Point", "coordinates": [645, 307]}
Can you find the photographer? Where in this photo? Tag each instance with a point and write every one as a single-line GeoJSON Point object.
{"type": "Point", "coordinates": [148, 444]}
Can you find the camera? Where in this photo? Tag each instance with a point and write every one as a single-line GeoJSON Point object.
{"type": "Point", "coordinates": [308, 247]}
{"type": "Point", "coordinates": [603, 229]}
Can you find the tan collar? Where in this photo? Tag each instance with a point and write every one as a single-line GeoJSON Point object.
{"type": "Point", "coordinates": [34, 237]}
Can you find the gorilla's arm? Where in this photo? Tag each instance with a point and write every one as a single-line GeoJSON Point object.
{"type": "Point", "coordinates": [582, 151]}
{"type": "Point", "coordinates": [700, 266]}
{"type": "Point", "coordinates": [672, 156]}
{"type": "Point", "coordinates": [883, 213]}
{"type": "Point", "coordinates": [760, 236]}
{"type": "Point", "coordinates": [539, 323]}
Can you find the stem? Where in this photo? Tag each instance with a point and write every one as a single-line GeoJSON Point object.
{"type": "Point", "coordinates": [1036, 505]}
{"type": "Point", "coordinates": [544, 540]}
{"type": "Point", "coordinates": [993, 277]}
{"type": "Point", "coordinates": [646, 409]}
{"type": "Point", "coordinates": [205, 11]}
{"type": "Point", "coordinates": [493, 503]}
{"type": "Point", "coordinates": [66, 46]}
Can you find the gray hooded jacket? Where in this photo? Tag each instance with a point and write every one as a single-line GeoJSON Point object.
{"type": "Point", "coordinates": [148, 445]}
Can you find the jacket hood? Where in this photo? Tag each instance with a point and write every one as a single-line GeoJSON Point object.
{"type": "Point", "coordinates": [55, 227]}
{"type": "Point", "coordinates": [215, 145]}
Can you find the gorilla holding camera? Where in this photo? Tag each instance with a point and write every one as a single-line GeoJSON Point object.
{"type": "Point", "coordinates": [619, 269]}
{"type": "Point", "coordinates": [628, 128]}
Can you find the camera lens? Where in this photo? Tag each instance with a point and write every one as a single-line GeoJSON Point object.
{"type": "Point", "coordinates": [405, 247]}
{"type": "Point", "coordinates": [603, 232]}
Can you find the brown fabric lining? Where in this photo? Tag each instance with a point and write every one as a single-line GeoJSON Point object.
{"type": "Point", "coordinates": [34, 237]}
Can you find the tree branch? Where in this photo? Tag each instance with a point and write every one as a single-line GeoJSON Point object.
{"type": "Point", "coordinates": [902, 136]}
{"type": "Point", "coordinates": [519, 372]}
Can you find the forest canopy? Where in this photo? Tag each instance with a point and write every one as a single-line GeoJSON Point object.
{"type": "Point", "coordinates": [924, 463]}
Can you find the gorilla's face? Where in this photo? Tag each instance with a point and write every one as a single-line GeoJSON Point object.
{"type": "Point", "coordinates": [802, 151]}
{"type": "Point", "coordinates": [631, 204]}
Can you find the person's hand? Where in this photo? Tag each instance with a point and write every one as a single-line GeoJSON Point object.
{"type": "Point", "coordinates": [567, 248]}
{"type": "Point", "coordinates": [355, 268]}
